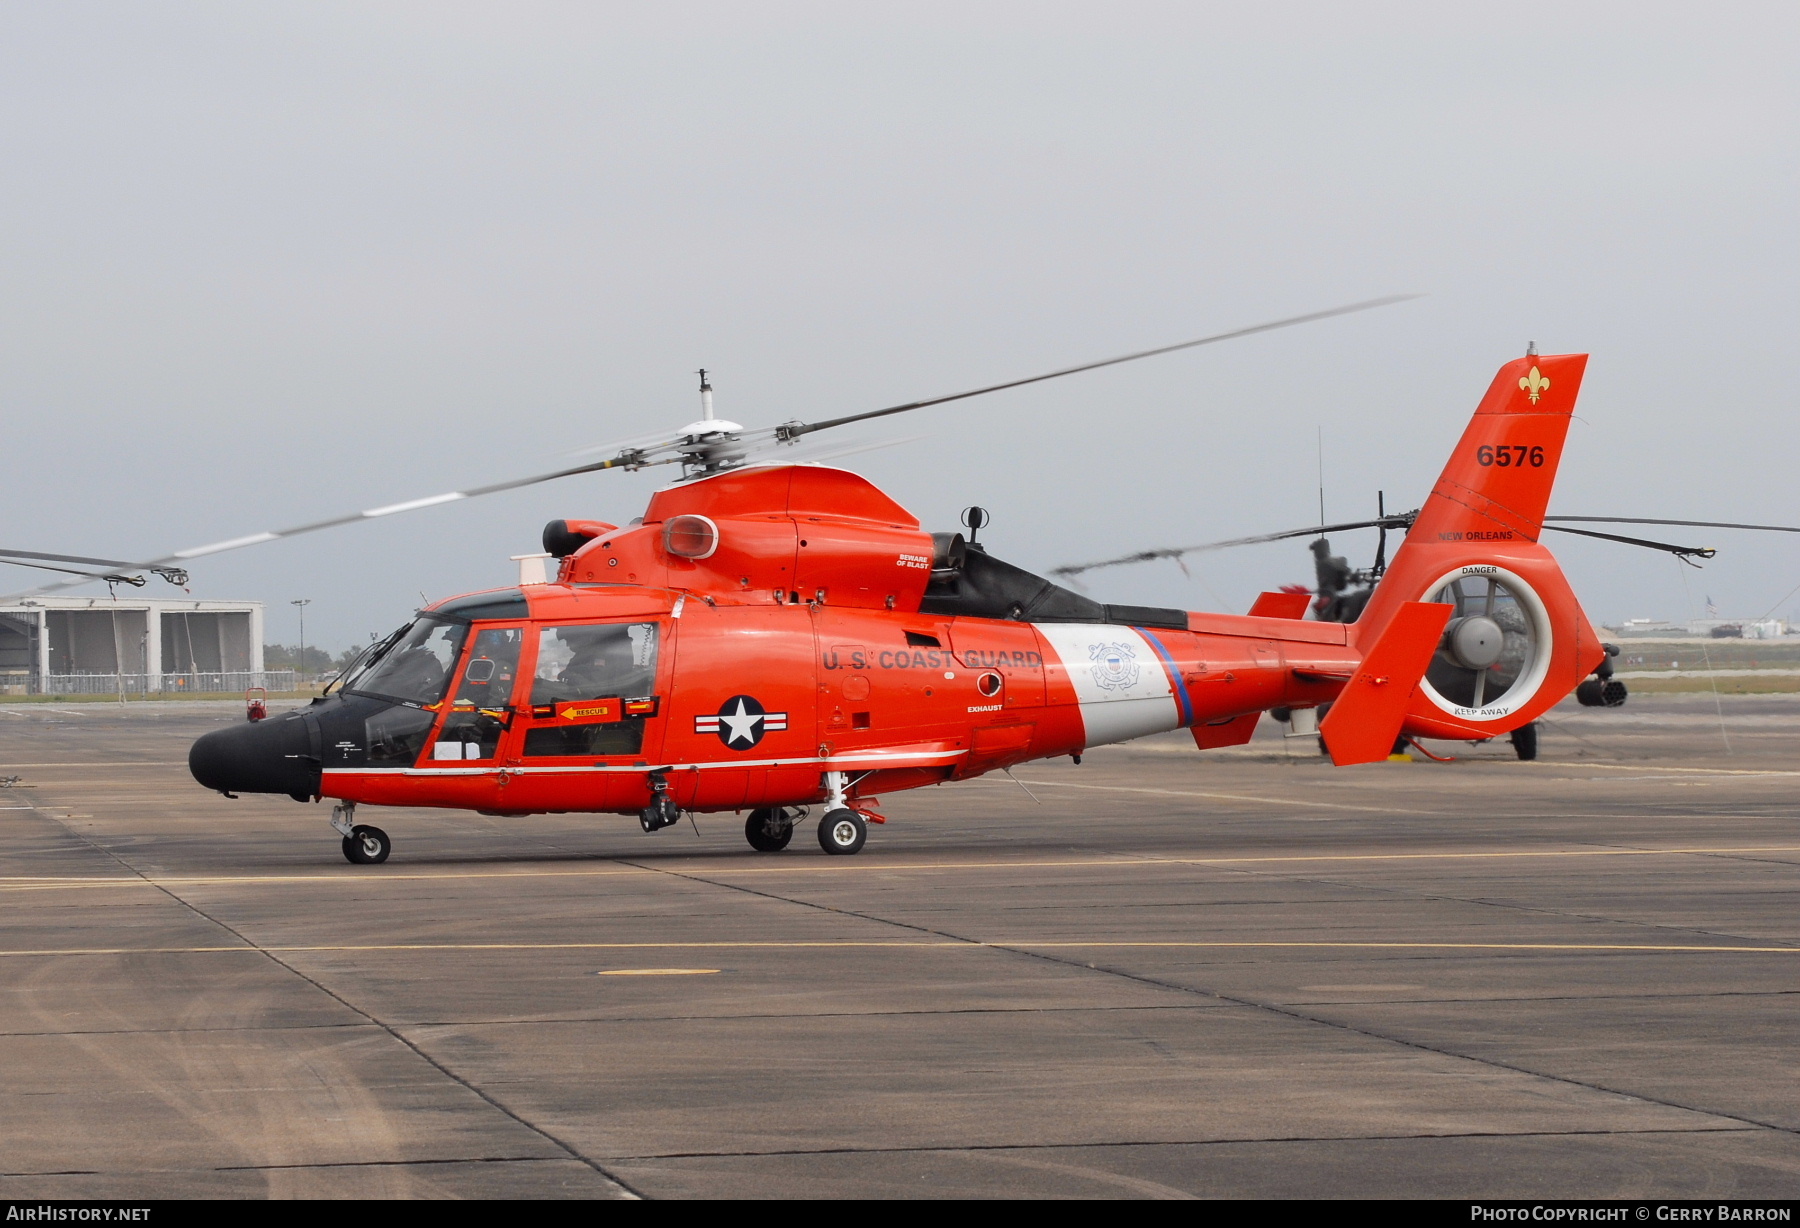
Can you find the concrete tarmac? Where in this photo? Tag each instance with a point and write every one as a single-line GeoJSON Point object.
{"type": "Point", "coordinates": [1172, 974]}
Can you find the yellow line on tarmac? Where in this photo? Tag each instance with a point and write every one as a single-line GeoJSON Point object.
{"type": "Point", "coordinates": [911, 944]}
{"type": "Point", "coordinates": [1658, 767]}
{"type": "Point", "coordinates": [47, 883]}
{"type": "Point", "coordinates": [1229, 797]}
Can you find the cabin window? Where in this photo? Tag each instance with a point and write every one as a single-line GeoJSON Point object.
{"type": "Point", "coordinates": [615, 661]}
{"type": "Point", "coordinates": [624, 737]}
{"type": "Point", "coordinates": [595, 661]}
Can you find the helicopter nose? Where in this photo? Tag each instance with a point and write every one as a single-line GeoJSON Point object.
{"type": "Point", "coordinates": [274, 756]}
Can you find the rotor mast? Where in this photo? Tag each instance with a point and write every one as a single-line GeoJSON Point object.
{"type": "Point", "coordinates": [712, 444]}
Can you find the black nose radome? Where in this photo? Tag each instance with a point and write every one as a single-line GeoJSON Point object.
{"type": "Point", "coordinates": [272, 756]}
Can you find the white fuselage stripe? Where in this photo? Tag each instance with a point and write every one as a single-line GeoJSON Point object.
{"type": "Point", "coordinates": [1120, 685]}
{"type": "Point", "coordinates": [874, 758]}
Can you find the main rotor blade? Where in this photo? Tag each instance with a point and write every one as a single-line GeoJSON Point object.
{"type": "Point", "coordinates": [70, 571]}
{"type": "Point", "coordinates": [632, 460]}
{"type": "Point", "coordinates": [1690, 524]}
{"type": "Point", "coordinates": [62, 558]}
{"type": "Point", "coordinates": [1145, 556]}
{"type": "Point", "coordinates": [794, 430]}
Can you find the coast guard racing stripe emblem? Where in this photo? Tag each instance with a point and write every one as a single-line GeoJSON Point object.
{"type": "Point", "coordinates": [741, 722]}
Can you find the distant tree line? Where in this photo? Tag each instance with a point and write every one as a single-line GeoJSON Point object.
{"type": "Point", "coordinates": [318, 661]}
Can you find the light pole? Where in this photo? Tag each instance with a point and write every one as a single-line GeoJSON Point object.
{"type": "Point", "coordinates": [301, 604]}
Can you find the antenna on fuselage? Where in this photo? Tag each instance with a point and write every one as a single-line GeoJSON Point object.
{"type": "Point", "coordinates": [973, 518]}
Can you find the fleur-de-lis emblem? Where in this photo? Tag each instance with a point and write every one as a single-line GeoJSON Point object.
{"type": "Point", "coordinates": [1535, 383]}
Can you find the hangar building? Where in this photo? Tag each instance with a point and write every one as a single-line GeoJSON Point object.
{"type": "Point", "coordinates": [137, 646]}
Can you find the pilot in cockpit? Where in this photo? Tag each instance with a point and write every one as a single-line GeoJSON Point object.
{"type": "Point", "coordinates": [587, 672]}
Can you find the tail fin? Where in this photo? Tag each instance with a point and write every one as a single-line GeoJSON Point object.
{"type": "Point", "coordinates": [1370, 712]}
{"type": "Point", "coordinates": [1517, 641]}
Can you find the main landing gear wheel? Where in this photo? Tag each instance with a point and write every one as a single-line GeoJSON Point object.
{"type": "Point", "coordinates": [1524, 741]}
{"type": "Point", "coordinates": [842, 832]}
{"type": "Point", "coordinates": [768, 831]}
{"type": "Point", "coordinates": [367, 846]}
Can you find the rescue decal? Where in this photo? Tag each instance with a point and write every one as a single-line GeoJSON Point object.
{"type": "Point", "coordinates": [741, 722]}
{"type": "Point", "coordinates": [585, 711]}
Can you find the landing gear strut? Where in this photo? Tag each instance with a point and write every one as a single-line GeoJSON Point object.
{"type": "Point", "coordinates": [1525, 741]}
{"type": "Point", "coordinates": [662, 811]}
{"type": "Point", "coordinates": [363, 845]}
{"type": "Point", "coordinates": [769, 830]}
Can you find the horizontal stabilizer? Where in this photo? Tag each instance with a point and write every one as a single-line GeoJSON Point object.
{"type": "Point", "coordinates": [1234, 731]}
{"type": "Point", "coordinates": [1366, 717]}
{"type": "Point", "coordinates": [1280, 605]}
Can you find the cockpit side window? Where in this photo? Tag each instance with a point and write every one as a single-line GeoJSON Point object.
{"type": "Point", "coordinates": [487, 679]}
{"type": "Point", "coordinates": [472, 729]}
{"type": "Point", "coordinates": [595, 661]}
{"type": "Point", "coordinates": [418, 667]}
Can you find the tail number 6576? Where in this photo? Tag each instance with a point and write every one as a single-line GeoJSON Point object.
{"type": "Point", "coordinates": [1506, 455]}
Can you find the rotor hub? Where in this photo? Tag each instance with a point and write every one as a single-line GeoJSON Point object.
{"type": "Point", "coordinates": [1475, 642]}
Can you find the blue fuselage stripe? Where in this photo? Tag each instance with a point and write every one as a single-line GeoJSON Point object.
{"type": "Point", "coordinates": [1181, 691]}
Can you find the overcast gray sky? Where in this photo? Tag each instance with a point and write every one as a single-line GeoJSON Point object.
{"type": "Point", "coordinates": [265, 263]}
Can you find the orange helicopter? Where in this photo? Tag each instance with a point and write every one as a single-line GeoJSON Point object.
{"type": "Point", "coordinates": [769, 638]}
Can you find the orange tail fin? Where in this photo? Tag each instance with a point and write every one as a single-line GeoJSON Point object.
{"type": "Point", "coordinates": [1517, 641]}
{"type": "Point", "coordinates": [1367, 716]}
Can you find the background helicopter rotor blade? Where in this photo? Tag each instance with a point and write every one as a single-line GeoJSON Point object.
{"type": "Point", "coordinates": [1144, 556]}
{"type": "Point", "coordinates": [1690, 524]}
{"type": "Point", "coordinates": [1686, 554]}
{"type": "Point", "coordinates": [1404, 521]}
{"type": "Point", "coordinates": [793, 430]}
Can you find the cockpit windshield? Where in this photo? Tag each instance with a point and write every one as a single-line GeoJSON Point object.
{"type": "Point", "coordinates": [417, 668]}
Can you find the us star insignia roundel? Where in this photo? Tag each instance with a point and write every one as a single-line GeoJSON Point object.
{"type": "Point", "coordinates": [741, 722]}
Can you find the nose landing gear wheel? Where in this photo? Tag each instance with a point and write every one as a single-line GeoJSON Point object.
{"type": "Point", "coordinates": [768, 831]}
{"type": "Point", "coordinates": [842, 832]}
{"type": "Point", "coordinates": [367, 846]}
